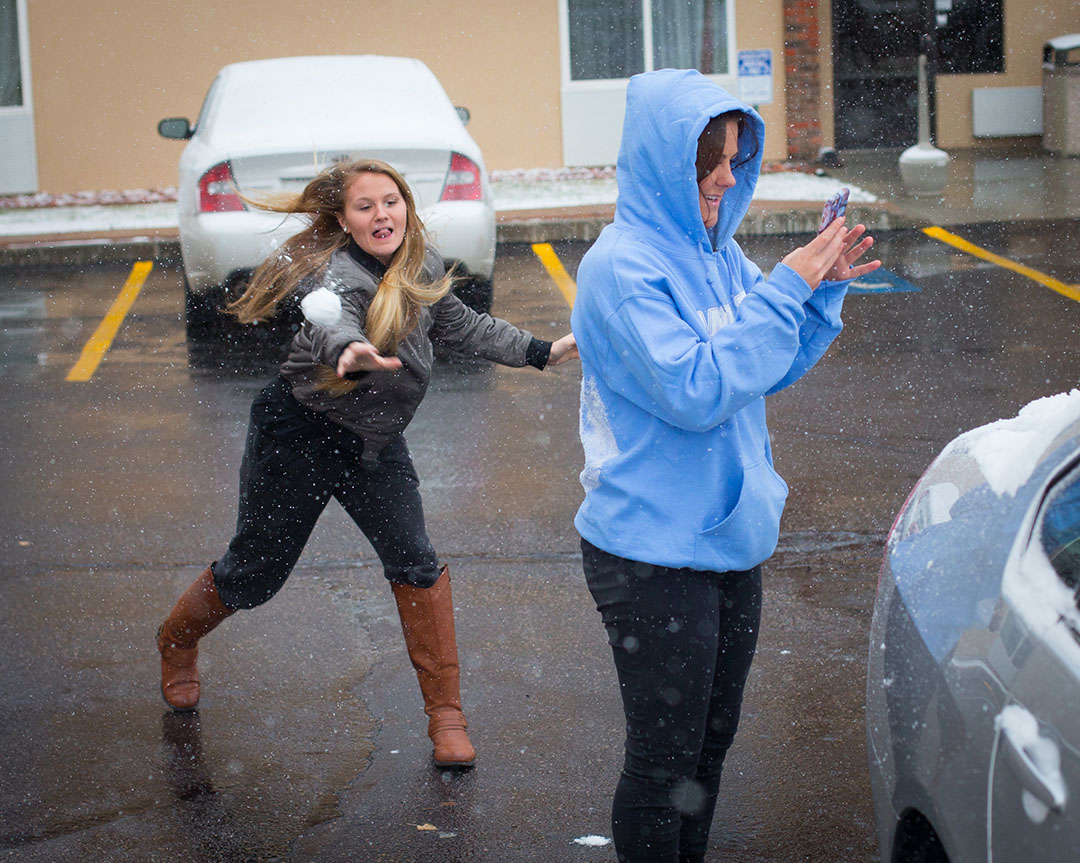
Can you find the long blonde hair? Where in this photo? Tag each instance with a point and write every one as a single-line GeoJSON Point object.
{"type": "Point", "coordinates": [393, 312]}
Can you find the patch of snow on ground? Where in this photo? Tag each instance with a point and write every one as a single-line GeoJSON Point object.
{"type": "Point", "coordinates": [529, 193]}
{"type": "Point", "coordinates": [94, 217]}
{"type": "Point", "coordinates": [105, 196]}
{"type": "Point", "coordinates": [593, 841]}
{"type": "Point", "coordinates": [796, 186]}
{"type": "Point", "coordinates": [512, 190]}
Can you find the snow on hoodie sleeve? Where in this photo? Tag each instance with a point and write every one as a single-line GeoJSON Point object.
{"type": "Point", "coordinates": [687, 380]}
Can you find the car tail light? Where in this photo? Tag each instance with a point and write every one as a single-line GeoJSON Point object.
{"type": "Point", "coordinates": [217, 191]}
{"type": "Point", "coordinates": [900, 513]}
{"type": "Point", "coordinates": [463, 181]}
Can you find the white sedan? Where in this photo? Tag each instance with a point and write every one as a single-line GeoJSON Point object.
{"type": "Point", "coordinates": [267, 127]}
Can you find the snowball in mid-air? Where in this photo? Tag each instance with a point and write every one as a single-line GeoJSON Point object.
{"type": "Point", "coordinates": [322, 306]}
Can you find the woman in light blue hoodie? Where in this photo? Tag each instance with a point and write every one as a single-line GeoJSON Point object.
{"type": "Point", "coordinates": [681, 338]}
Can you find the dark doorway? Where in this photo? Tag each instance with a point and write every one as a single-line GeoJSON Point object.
{"type": "Point", "coordinates": [875, 68]}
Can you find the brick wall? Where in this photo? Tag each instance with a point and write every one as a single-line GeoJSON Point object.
{"type": "Point", "coordinates": [803, 79]}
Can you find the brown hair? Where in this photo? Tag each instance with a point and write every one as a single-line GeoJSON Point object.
{"type": "Point", "coordinates": [393, 312]}
{"type": "Point", "coordinates": [713, 137]}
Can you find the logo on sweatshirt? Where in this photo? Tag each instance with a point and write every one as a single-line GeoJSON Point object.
{"type": "Point", "coordinates": [720, 316]}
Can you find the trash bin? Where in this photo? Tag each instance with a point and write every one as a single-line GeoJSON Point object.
{"type": "Point", "coordinates": [1061, 95]}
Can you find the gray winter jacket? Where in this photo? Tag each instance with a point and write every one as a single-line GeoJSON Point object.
{"type": "Point", "coordinates": [384, 402]}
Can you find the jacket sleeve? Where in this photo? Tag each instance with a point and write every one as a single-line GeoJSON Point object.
{"type": "Point", "coordinates": [456, 326]}
{"type": "Point", "coordinates": [819, 328]}
{"type": "Point", "coordinates": [327, 343]}
{"type": "Point", "coordinates": [688, 381]}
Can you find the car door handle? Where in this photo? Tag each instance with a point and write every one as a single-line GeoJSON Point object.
{"type": "Point", "coordinates": [1027, 758]}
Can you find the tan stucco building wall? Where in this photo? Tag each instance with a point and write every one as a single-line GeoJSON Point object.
{"type": "Point", "coordinates": [1028, 26]}
{"type": "Point", "coordinates": [102, 78]}
{"type": "Point", "coordinates": [759, 24]}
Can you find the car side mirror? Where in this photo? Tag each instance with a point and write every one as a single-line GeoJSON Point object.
{"type": "Point", "coordinates": [177, 128]}
{"type": "Point", "coordinates": [463, 115]}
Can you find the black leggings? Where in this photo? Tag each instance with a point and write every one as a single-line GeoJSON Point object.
{"type": "Point", "coordinates": [294, 462]}
{"type": "Point", "coordinates": [683, 641]}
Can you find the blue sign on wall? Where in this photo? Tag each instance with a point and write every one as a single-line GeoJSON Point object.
{"type": "Point", "coordinates": [755, 77]}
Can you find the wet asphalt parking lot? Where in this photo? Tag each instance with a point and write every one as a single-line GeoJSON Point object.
{"type": "Point", "coordinates": [309, 744]}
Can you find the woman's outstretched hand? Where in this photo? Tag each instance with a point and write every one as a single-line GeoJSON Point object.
{"type": "Point", "coordinates": [832, 254]}
{"type": "Point", "coordinates": [362, 357]}
{"type": "Point", "coordinates": [854, 248]}
{"type": "Point", "coordinates": [562, 350]}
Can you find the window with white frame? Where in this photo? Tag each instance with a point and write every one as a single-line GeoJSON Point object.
{"type": "Point", "coordinates": [18, 151]}
{"type": "Point", "coordinates": [605, 42]}
{"type": "Point", "coordinates": [10, 56]}
{"type": "Point", "coordinates": [619, 38]}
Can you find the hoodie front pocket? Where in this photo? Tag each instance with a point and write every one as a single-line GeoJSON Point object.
{"type": "Point", "coordinates": [761, 500]}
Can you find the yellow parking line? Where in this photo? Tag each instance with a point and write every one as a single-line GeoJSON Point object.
{"type": "Point", "coordinates": [94, 350]}
{"type": "Point", "coordinates": [1070, 291]}
{"type": "Point", "coordinates": [557, 271]}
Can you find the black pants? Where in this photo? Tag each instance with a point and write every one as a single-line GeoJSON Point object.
{"type": "Point", "coordinates": [294, 462]}
{"type": "Point", "coordinates": [683, 641]}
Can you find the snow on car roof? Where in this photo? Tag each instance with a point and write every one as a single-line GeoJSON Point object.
{"type": "Point", "coordinates": [1008, 450]}
{"type": "Point", "coordinates": [322, 100]}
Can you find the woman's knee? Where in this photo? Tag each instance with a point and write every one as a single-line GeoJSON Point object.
{"type": "Point", "coordinates": [422, 575]}
{"type": "Point", "coordinates": [247, 588]}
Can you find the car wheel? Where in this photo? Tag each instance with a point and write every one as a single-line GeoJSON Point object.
{"type": "Point", "coordinates": [917, 842]}
{"type": "Point", "coordinates": [476, 292]}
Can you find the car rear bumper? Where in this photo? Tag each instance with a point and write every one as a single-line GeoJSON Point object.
{"type": "Point", "coordinates": [216, 246]}
{"type": "Point", "coordinates": [463, 231]}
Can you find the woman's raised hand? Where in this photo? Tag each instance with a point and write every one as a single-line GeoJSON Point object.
{"type": "Point", "coordinates": [854, 248]}
{"type": "Point", "coordinates": [362, 357]}
{"type": "Point", "coordinates": [562, 350]}
{"type": "Point", "coordinates": [832, 254]}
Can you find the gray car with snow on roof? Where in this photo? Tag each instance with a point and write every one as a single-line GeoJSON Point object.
{"type": "Point", "coordinates": [973, 684]}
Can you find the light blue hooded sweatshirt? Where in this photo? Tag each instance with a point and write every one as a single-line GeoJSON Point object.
{"type": "Point", "coordinates": [681, 338]}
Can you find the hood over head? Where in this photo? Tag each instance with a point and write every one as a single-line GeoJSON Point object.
{"type": "Point", "coordinates": [666, 112]}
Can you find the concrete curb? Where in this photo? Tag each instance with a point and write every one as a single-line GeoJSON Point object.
{"type": "Point", "coordinates": [581, 224]}
{"type": "Point", "coordinates": [85, 251]}
{"type": "Point", "coordinates": [767, 217]}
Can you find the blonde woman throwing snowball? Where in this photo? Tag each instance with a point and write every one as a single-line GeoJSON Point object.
{"type": "Point", "coordinates": [331, 426]}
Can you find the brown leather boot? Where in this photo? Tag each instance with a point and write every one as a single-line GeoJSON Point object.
{"type": "Point", "coordinates": [196, 612]}
{"type": "Point", "coordinates": [427, 621]}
